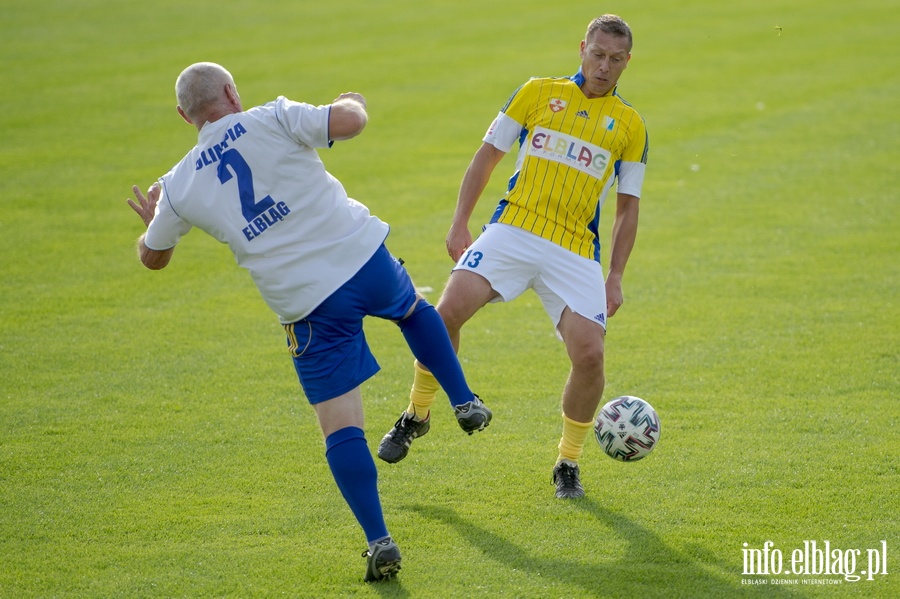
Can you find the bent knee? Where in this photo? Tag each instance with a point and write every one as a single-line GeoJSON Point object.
{"type": "Point", "coordinates": [454, 318]}
{"type": "Point", "coordinates": [465, 294]}
{"type": "Point", "coordinates": [417, 306]}
{"type": "Point", "coordinates": [588, 360]}
{"type": "Point", "coordinates": [587, 356]}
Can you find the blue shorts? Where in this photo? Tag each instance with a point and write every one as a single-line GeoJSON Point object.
{"type": "Point", "coordinates": [329, 348]}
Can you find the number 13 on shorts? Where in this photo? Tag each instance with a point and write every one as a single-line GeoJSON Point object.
{"type": "Point", "coordinates": [471, 259]}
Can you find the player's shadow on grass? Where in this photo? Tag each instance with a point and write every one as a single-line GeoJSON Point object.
{"type": "Point", "coordinates": [649, 568]}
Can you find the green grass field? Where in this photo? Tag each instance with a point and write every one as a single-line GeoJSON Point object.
{"type": "Point", "coordinates": [154, 441]}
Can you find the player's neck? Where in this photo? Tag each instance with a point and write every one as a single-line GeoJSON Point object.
{"type": "Point", "coordinates": [214, 115]}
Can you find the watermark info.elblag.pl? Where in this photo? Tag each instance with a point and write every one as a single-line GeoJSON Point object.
{"type": "Point", "coordinates": [813, 562]}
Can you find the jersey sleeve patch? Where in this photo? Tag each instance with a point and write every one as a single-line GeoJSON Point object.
{"type": "Point", "coordinates": [503, 133]}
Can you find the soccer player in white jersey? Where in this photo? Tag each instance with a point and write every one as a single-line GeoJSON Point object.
{"type": "Point", "coordinates": [255, 182]}
{"type": "Point", "coordinates": [576, 138]}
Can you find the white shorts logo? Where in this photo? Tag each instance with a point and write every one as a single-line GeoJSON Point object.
{"type": "Point", "coordinates": [569, 150]}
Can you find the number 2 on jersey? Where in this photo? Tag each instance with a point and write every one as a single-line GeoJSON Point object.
{"type": "Point", "coordinates": [249, 206]}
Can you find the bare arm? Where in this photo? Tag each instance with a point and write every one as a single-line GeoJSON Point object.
{"type": "Point", "coordinates": [459, 238]}
{"type": "Point", "coordinates": [348, 116]}
{"type": "Point", "coordinates": [146, 208]}
{"type": "Point", "coordinates": [624, 232]}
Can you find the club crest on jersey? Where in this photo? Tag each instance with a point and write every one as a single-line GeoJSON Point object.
{"type": "Point", "coordinates": [609, 123]}
{"type": "Point", "coordinates": [557, 105]}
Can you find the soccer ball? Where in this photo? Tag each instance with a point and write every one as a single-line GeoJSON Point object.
{"type": "Point", "coordinates": [627, 428]}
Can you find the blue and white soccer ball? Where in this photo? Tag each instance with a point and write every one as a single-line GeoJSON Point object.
{"type": "Point", "coordinates": [627, 428]}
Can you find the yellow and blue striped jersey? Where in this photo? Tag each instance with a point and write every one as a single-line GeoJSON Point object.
{"type": "Point", "coordinates": [572, 150]}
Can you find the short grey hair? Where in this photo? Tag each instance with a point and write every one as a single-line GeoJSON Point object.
{"type": "Point", "coordinates": [612, 24]}
{"type": "Point", "coordinates": [200, 86]}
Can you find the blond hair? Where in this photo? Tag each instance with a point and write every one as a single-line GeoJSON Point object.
{"type": "Point", "coordinates": [611, 24]}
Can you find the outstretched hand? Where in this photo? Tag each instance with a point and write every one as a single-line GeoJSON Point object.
{"type": "Point", "coordinates": [145, 206]}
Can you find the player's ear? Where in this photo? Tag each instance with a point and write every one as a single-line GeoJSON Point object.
{"type": "Point", "coordinates": [232, 96]}
{"type": "Point", "coordinates": [184, 116]}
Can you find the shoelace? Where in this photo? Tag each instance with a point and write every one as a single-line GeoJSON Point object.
{"type": "Point", "coordinates": [567, 475]}
{"type": "Point", "coordinates": [407, 425]}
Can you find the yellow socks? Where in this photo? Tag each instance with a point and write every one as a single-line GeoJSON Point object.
{"type": "Point", "coordinates": [424, 390]}
{"type": "Point", "coordinates": [571, 446]}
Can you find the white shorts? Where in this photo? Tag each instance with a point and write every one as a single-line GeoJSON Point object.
{"type": "Point", "coordinates": [513, 260]}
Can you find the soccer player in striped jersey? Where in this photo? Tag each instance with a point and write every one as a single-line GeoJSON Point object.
{"type": "Point", "coordinates": [576, 140]}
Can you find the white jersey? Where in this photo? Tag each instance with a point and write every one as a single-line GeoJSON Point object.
{"type": "Point", "coordinates": [256, 182]}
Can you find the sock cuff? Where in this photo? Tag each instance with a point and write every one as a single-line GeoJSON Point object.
{"type": "Point", "coordinates": [343, 435]}
{"type": "Point", "coordinates": [575, 423]}
{"type": "Point", "coordinates": [422, 371]}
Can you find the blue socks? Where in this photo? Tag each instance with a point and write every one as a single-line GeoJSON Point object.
{"type": "Point", "coordinates": [426, 336]}
{"type": "Point", "coordinates": [354, 472]}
